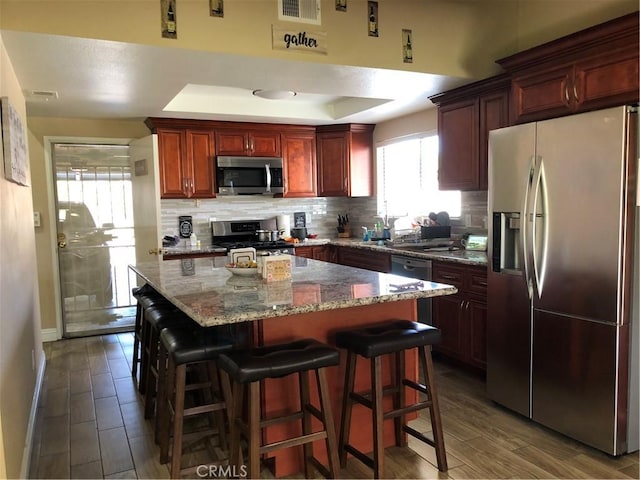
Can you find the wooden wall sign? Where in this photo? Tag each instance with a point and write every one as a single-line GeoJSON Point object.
{"type": "Point", "coordinates": [306, 40]}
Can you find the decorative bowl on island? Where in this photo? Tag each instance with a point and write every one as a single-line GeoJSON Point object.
{"type": "Point", "coordinates": [243, 270]}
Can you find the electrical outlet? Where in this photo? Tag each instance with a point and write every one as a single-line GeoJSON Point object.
{"type": "Point", "coordinates": [36, 219]}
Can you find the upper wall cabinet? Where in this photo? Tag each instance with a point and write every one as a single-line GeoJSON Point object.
{"type": "Point", "coordinates": [465, 117]}
{"type": "Point", "coordinates": [345, 160]}
{"type": "Point", "coordinates": [252, 143]}
{"type": "Point", "coordinates": [186, 158]}
{"type": "Point", "coordinates": [186, 163]}
{"type": "Point", "coordinates": [299, 158]}
{"type": "Point", "coordinates": [590, 69]}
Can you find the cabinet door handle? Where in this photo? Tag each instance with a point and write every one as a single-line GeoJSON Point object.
{"type": "Point", "coordinates": [566, 93]}
{"type": "Point", "coordinates": [448, 277]}
{"type": "Point", "coordinates": [575, 92]}
{"type": "Point", "coordinates": [346, 184]}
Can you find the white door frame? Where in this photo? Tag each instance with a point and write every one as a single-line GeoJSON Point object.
{"type": "Point", "coordinates": [53, 220]}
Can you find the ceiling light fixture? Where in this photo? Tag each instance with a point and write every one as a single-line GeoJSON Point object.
{"type": "Point", "coordinates": [274, 94]}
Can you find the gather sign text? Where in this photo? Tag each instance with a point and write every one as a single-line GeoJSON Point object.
{"type": "Point", "coordinates": [312, 41]}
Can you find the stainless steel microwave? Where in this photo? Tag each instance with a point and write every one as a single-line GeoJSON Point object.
{"type": "Point", "coordinates": [249, 175]}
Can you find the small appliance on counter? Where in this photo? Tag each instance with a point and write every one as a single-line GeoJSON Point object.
{"type": "Point", "coordinates": [283, 225]}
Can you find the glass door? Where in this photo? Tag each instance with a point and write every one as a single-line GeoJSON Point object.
{"type": "Point", "coordinates": [96, 241]}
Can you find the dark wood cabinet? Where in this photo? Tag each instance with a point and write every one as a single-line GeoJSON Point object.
{"type": "Point", "coordinates": [362, 258]}
{"type": "Point", "coordinates": [186, 163]}
{"type": "Point", "coordinates": [252, 143]}
{"type": "Point", "coordinates": [465, 117]}
{"type": "Point", "coordinates": [462, 318]}
{"type": "Point", "coordinates": [590, 69]}
{"type": "Point", "coordinates": [325, 253]}
{"type": "Point", "coordinates": [299, 157]}
{"type": "Point", "coordinates": [345, 160]}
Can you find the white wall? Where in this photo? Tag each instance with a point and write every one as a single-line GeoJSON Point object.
{"type": "Point", "coordinates": [21, 355]}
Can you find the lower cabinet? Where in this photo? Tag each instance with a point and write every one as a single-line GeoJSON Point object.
{"type": "Point", "coordinates": [326, 253]}
{"type": "Point", "coordinates": [361, 258]}
{"type": "Point", "coordinates": [462, 318]}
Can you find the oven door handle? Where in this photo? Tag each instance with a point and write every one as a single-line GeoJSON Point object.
{"type": "Point", "coordinates": [268, 177]}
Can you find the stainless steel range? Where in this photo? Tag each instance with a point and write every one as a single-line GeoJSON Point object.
{"type": "Point", "coordinates": [244, 233]}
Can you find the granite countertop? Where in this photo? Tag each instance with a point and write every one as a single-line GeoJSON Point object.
{"type": "Point", "coordinates": [465, 257]}
{"type": "Point", "coordinates": [211, 295]}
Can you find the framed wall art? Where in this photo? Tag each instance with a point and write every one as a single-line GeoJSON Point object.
{"type": "Point", "coordinates": [216, 8]}
{"type": "Point", "coordinates": [14, 143]}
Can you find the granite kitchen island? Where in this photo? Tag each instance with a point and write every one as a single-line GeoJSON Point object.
{"type": "Point", "coordinates": [320, 299]}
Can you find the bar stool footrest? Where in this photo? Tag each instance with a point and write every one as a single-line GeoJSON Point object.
{"type": "Point", "coordinates": [364, 458]}
{"type": "Point", "coordinates": [408, 409]}
{"type": "Point", "coordinates": [414, 433]}
{"type": "Point", "coordinates": [293, 442]}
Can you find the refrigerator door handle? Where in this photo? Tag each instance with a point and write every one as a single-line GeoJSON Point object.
{"type": "Point", "coordinates": [538, 231]}
{"type": "Point", "coordinates": [525, 225]}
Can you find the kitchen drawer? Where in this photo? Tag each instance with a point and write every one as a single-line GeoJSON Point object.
{"type": "Point", "coordinates": [477, 280]}
{"type": "Point", "coordinates": [448, 274]}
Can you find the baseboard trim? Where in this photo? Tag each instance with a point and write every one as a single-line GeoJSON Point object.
{"type": "Point", "coordinates": [49, 334]}
{"type": "Point", "coordinates": [28, 444]}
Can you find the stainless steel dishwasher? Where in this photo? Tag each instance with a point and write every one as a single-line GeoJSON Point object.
{"type": "Point", "coordinates": [415, 268]}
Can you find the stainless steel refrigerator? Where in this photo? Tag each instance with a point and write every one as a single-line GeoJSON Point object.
{"type": "Point", "coordinates": [562, 206]}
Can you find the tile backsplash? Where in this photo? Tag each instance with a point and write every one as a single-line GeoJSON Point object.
{"type": "Point", "coordinates": [322, 213]}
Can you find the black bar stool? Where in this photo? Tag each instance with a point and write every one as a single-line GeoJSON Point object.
{"type": "Point", "coordinates": [395, 336]}
{"type": "Point", "coordinates": [247, 368]}
{"type": "Point", "coordinates": [157, 318]}
{"type": "Point", "coordinates": [185, 349]}
{"type": "Point", "coordinates": [146, 297]}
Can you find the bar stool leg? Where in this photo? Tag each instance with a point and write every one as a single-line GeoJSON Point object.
{"type": "Point", "coordinates": [378, 419]}
{"type": "Point", "coordinates": [235, 456]}
{"type": "Point", "coordinates": [399, 399]}
{"type": "Point", "coordinates": [137, 339]}
{"type": "Point", "coordinates": [347, 405]}
{"type": "Point", "coordinates": [254, 430]}
{"type": "Point", "coordinates": [216, 391]}
{"type": "Point", "coordinates": [178, 420]}
{"type": "Point", "coordinates": [161, 397]}
{"type": "Point", "coordinates": [327, 418]}
{"type": "Point", "coordinates": [165, 423]}
{"type": "Point", "coordinates": [434, 410]}
{"type": "Point", "coordinates": [303, 381]}
{"type": "Point", "coordinates": [151, 374]}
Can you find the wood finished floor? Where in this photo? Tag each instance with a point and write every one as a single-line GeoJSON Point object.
{"type": "Point", "coordinates": [90, 425]}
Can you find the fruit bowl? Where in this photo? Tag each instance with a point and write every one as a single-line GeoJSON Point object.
{"type": "Point", "coordinates": [243, 271]}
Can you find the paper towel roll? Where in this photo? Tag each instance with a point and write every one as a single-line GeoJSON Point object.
{"type": "Point", "coordinates": [283, 224]}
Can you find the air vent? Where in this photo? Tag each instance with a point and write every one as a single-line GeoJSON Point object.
{"type": "Point", "coordinates": [45, 95]}
{"type": "Point", "coordinates": [301, 11]}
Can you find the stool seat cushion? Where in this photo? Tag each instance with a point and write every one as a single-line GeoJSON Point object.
{"type": "Point", "coordinates": [278, 360]}
{"type": "Point", "coordinates": [147, 300]}
{"type": "Point", "coordinates": [389, 337]}
{"type": "Point", "coordinates": [194, 344]}
{"type": "Point", "coordinates": [160, 317]}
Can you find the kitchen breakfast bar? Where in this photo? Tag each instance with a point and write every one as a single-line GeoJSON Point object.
{"type": "Point", "coordinates": [320, 299]}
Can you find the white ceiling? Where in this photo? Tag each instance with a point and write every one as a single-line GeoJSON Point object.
{"type": "Point", "coordinates": [106, 79]}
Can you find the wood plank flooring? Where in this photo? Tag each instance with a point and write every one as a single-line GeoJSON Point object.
{"type": "Point", "coordinates": [90, 424]}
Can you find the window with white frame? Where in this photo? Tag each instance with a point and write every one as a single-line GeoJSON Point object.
{"type": "Point", "coordinates": [408, 179]}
